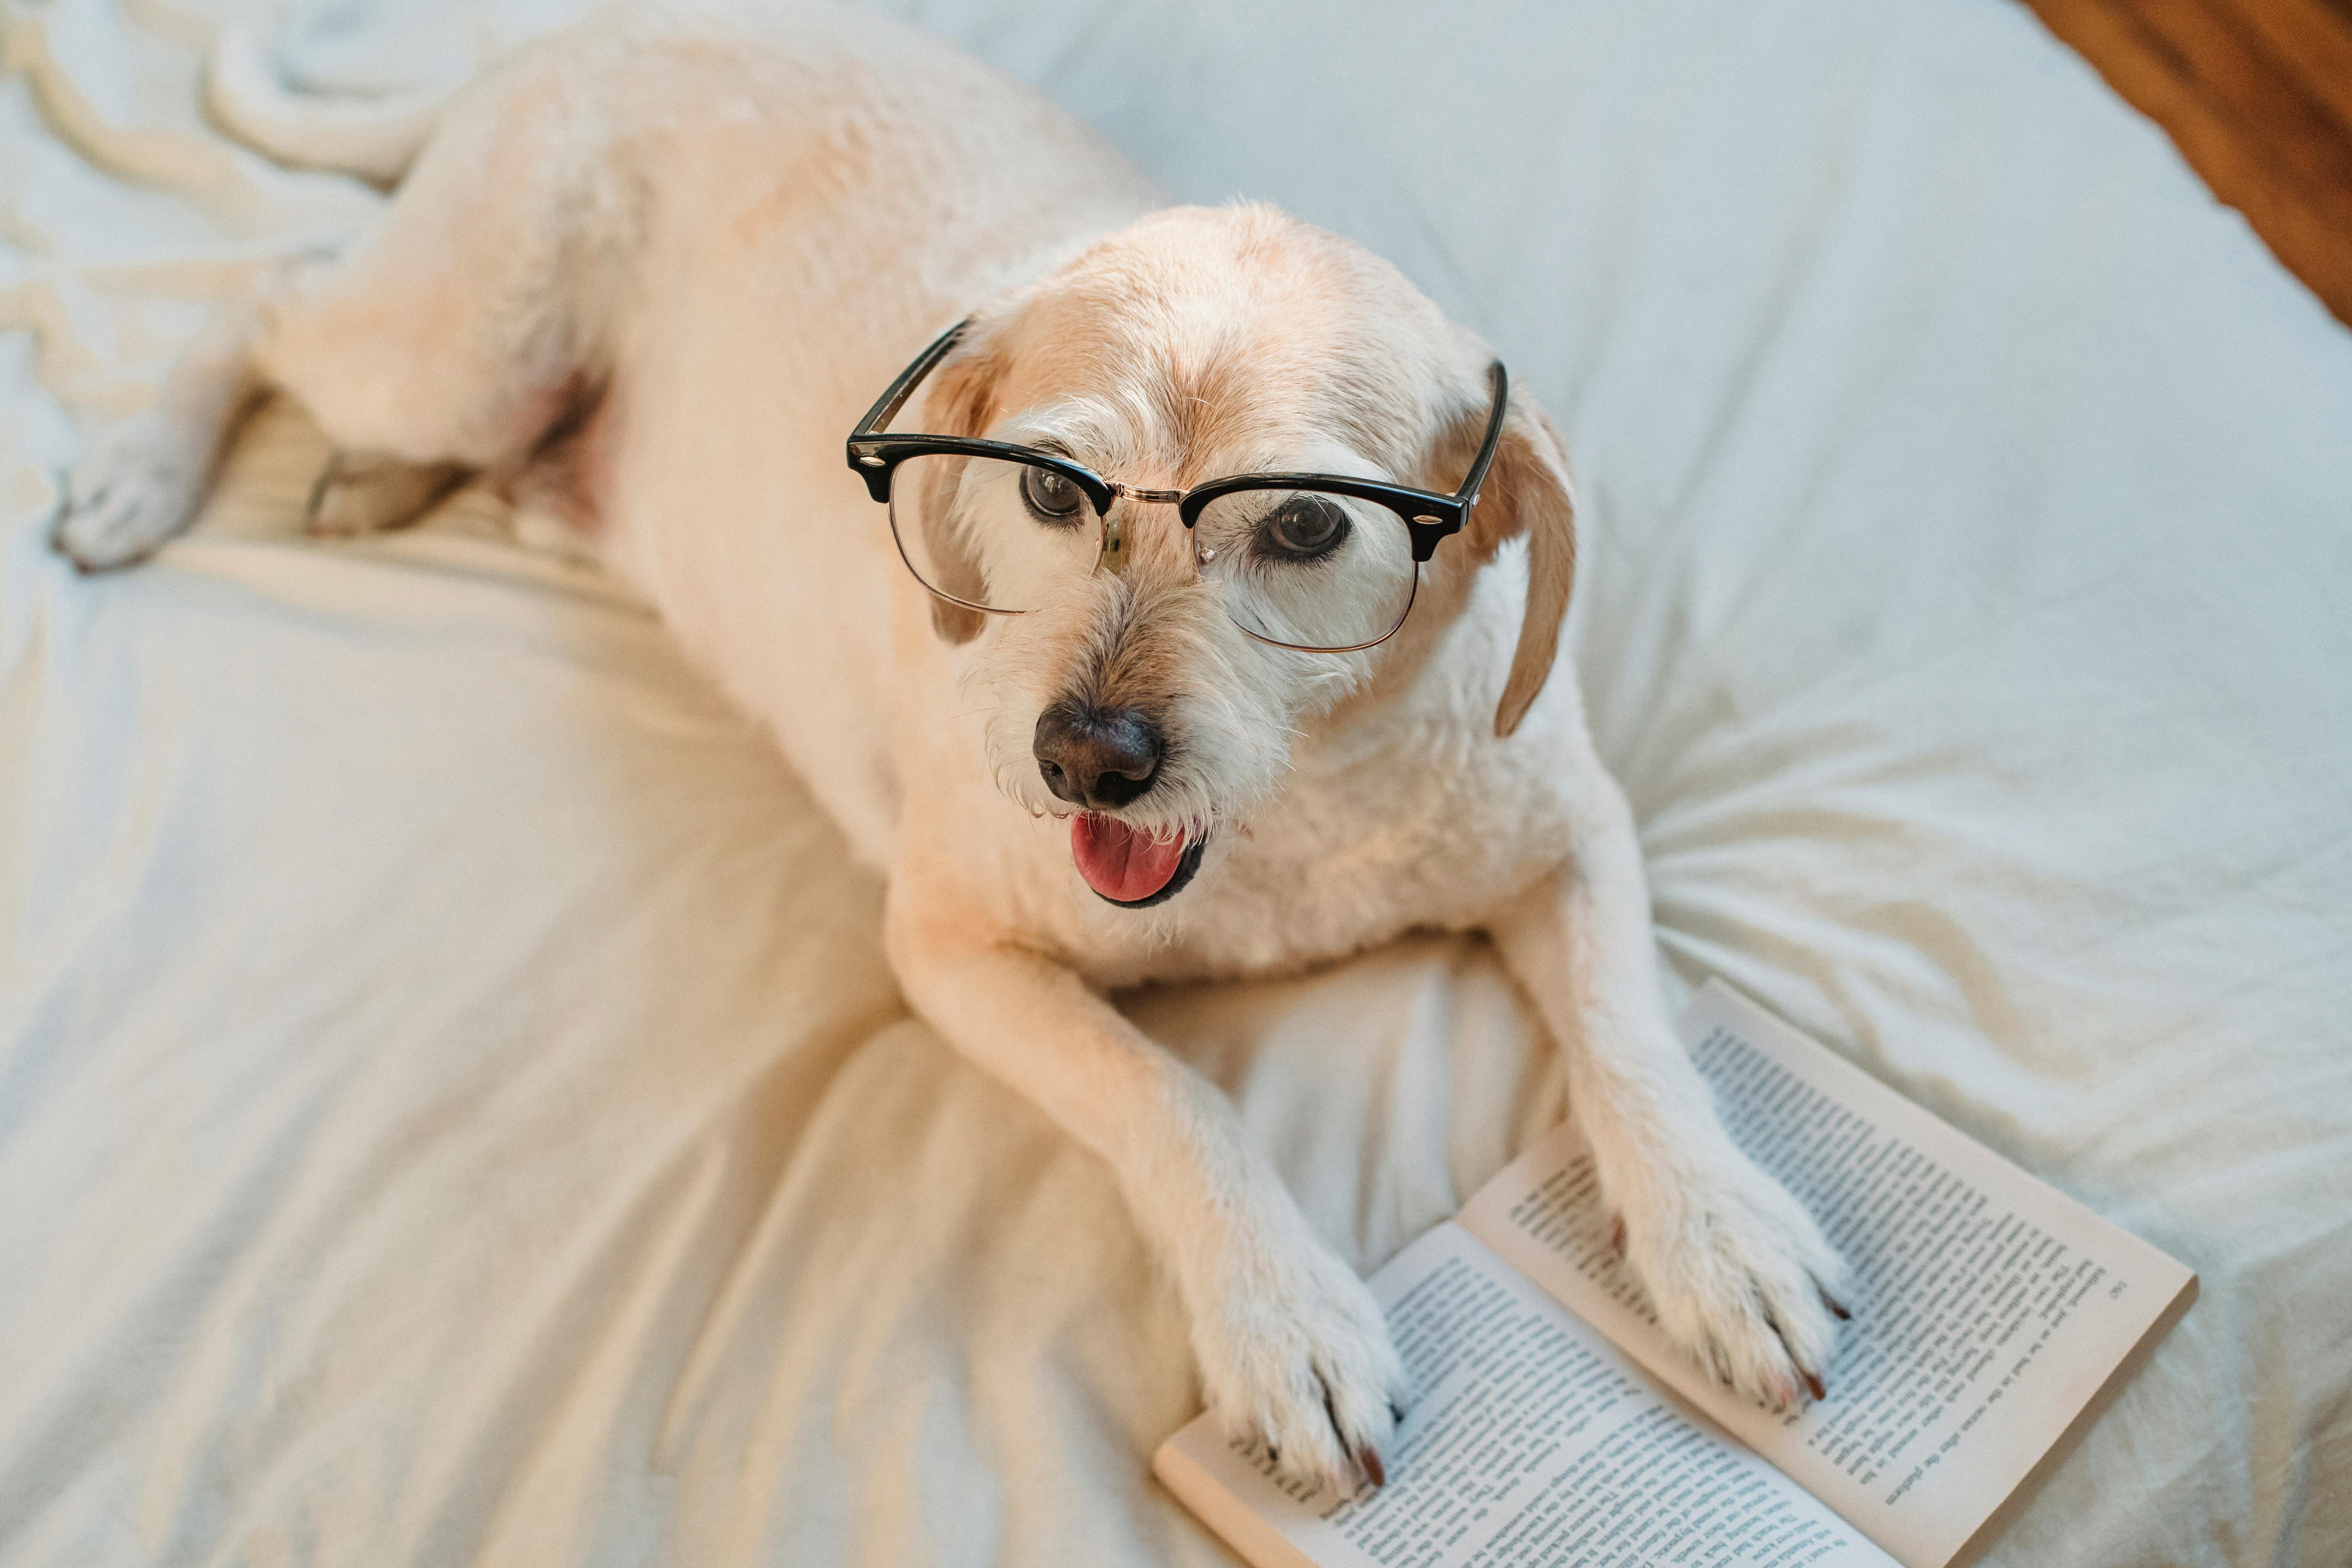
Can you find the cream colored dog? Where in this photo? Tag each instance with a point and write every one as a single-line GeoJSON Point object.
{"type": "Point", "coordinates": [649, 273]}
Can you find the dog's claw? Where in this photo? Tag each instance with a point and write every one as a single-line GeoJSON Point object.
{"type": "Point", "coordinates": [1788, 1391]}
{"type": "Point", "coordinates": [1814, 1384]}
{"type": "Point", "coordinates": [1836, 1307]}
{"type": "Point", "coordinates": [1368, 1459]}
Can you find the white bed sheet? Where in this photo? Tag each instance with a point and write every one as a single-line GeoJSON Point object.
{"type": "Point", "coordinates": [452, 1106]}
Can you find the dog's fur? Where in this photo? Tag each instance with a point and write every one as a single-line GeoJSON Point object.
{"type": "Point", "coordinates": [649, 272]}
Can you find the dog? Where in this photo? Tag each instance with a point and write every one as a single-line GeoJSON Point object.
{"type": "Point", "coordinates": [643, 275]}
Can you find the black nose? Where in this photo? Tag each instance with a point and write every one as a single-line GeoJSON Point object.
{"type": "Point", "coordinates": [1096, 757]}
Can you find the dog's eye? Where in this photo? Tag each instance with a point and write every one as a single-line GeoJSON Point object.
{"type": "Point", "coordinates": [1303, 528]}
{"type": "Point", "coordinates": [1050, 497]}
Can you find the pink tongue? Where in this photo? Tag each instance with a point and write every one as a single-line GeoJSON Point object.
{"type": "Point", "coordinates": [1119, 862]}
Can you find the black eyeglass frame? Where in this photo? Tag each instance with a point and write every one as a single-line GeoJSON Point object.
{"type": "Point", "coordinates": [1428, 516]}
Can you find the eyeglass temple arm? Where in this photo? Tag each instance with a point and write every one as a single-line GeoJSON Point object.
{"type": "Point", "coordinates": [1467, 496]}
{"type": "Point", "coordinates": [886, 408]}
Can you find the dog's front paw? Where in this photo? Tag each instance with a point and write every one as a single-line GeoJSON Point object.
{"type": "Point", "coordinates": [1294, 1354]}
{"type": "Point", "coordinates": [128, 497]}
{"type": "Point", "coordinates": [1740, 1277]}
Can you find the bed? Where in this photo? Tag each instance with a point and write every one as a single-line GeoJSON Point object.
{"type": "Point", "coordinates": [453, 1107]}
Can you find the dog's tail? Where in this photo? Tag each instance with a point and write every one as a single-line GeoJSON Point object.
{"type": "Point", "coordinates": [373, 138]}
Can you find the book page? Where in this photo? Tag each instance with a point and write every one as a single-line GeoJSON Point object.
{"type": "Point", "coordinates": [1988, 1308]}
{"type": "Point", "coordinates": [1532, 1441]}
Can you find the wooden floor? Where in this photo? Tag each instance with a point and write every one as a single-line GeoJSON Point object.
{"type": "Point", "coordinates": [2258, 96]}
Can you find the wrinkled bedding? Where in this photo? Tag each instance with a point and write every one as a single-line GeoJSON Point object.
{"type": "Point", "coordinates": [453, 1108]}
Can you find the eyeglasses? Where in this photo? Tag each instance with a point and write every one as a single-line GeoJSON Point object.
{"type": "Point", "coordinates": [1317, 562]}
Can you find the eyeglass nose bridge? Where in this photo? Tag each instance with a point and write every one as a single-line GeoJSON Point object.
{"type": "Point", "coordinates": [1114, 555]}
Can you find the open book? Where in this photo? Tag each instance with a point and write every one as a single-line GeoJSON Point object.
{"type": "Point", "coordinates": [1555, 1425]}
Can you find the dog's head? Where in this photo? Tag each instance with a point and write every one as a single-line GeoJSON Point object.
{"type": "Point", "coordinates": [1195, 344]}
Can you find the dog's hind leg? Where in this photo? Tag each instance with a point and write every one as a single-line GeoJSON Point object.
{"type": "Point", "coordinates": [450, 342]}
{"type": "Point", "coordinates": [361, 493]}
{"type": "Point", "coordinates": [445, 341]}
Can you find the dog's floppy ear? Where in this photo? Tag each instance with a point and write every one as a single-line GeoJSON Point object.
{"type": "Point", "coordinates": [1528, 491]}
{"type": "Point", "coordinates": [959, 401]}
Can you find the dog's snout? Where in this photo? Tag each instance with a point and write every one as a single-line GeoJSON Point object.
{"type": "Point", "coordinates": [1098, 757]}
